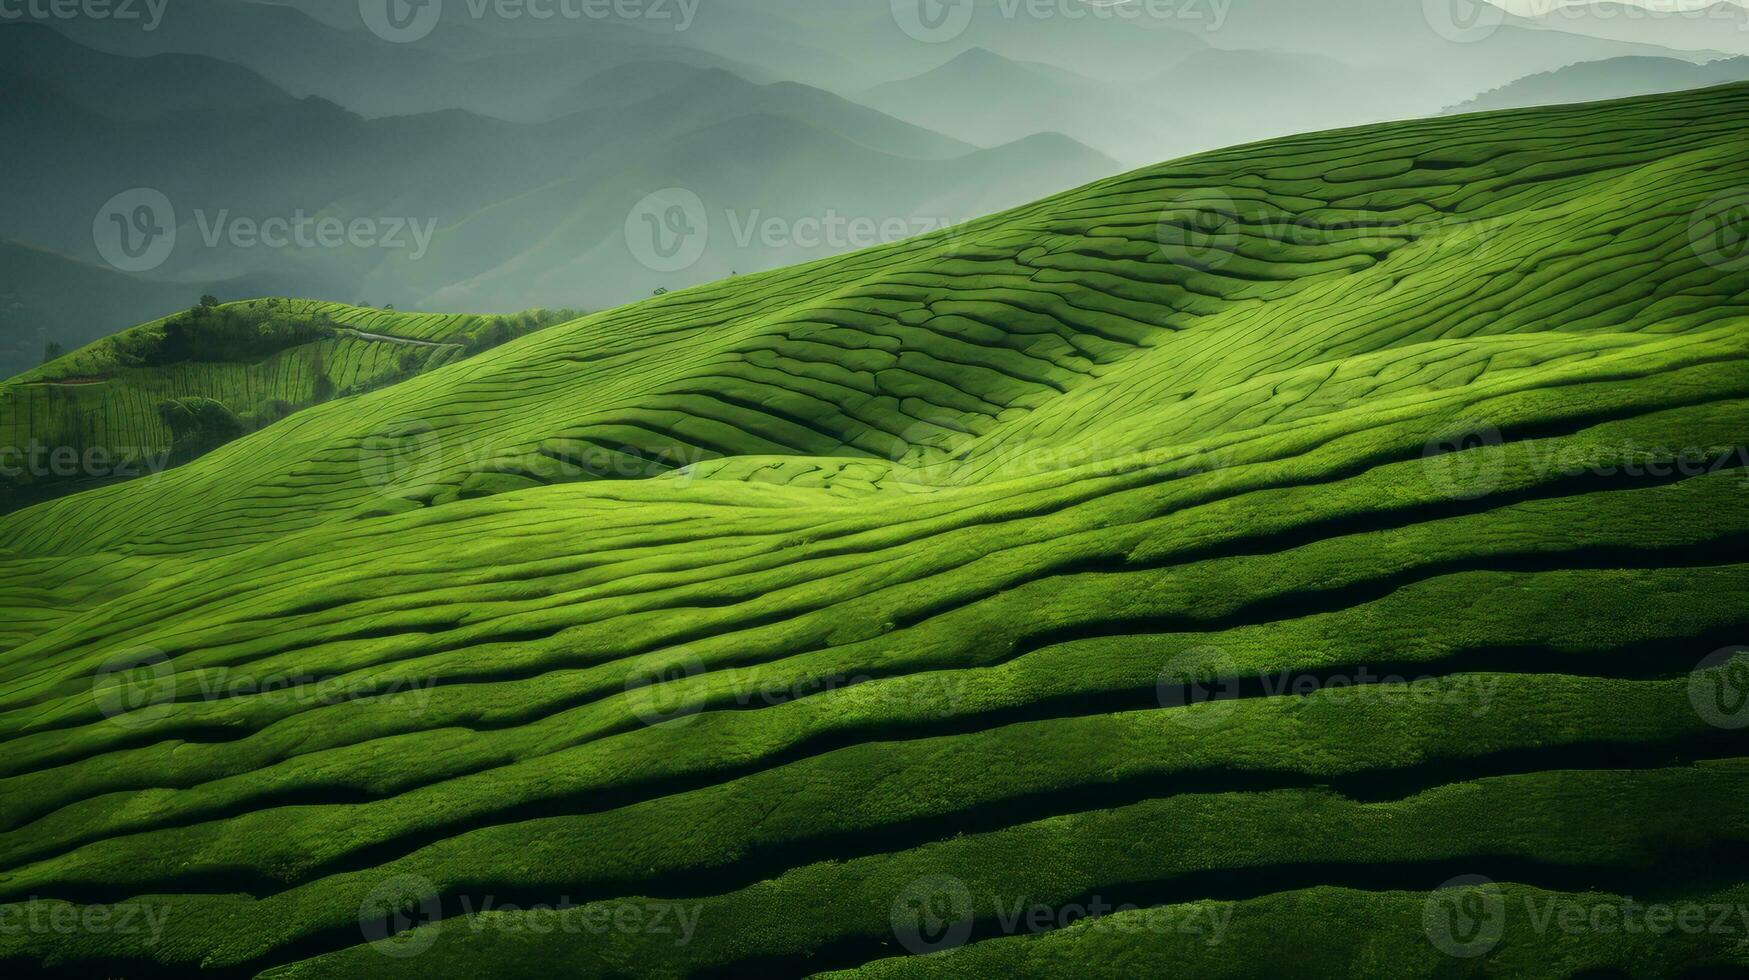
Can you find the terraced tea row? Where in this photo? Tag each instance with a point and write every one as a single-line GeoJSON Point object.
{"type": "Point", "coordinates": [96, 415]}
{"type": "Point", "coordinates": [1267, 537]}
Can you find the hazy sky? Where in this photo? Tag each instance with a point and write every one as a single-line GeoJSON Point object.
{"type": "Point", "coordinates": [1532, 7]}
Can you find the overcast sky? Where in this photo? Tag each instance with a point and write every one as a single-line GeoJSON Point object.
{"type": "Point", "coordinates": [1531, 7]}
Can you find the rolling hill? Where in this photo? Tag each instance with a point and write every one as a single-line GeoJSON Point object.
{"type": "Point", "coordinates": [245, 365]}
{"type": "Point", "coordinates": [53, 299]}
{"type": "Point", "coordinates": [1334, 544]}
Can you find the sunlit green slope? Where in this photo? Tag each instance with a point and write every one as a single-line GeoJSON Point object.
{"type": "Point", "coordinates": [1083, 554]}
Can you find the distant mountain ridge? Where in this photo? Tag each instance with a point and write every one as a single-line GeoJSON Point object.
{"type": "Point", "coordinates": [1615, 78]}
{"type": "Point", "coordinates": [520, 213]}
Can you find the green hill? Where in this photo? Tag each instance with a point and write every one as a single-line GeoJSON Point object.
{"type": "Point", "coordinates": [105, 412]}
{"type": "Point", "coordinates": [49, 298]}
{"type": "Point", "coordinates": [1331, 547]}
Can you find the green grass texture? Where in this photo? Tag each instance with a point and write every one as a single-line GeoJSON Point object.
{"type": "Point", "coordinates": [1325, 555]}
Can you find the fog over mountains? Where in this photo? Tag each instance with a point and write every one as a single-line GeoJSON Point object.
{"type": "Point", "coordinates": [475, 155]}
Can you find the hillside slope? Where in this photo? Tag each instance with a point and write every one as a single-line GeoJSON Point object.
{"type": "Point", "coordinates": [248, 364]}
{"type": "Point", "coordinates": [1084, 554]}
{"type": "Point", "coordinates": [50, 298]}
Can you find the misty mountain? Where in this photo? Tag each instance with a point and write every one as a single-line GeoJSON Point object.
{"type": "Point", "coordinates": [987, 99]}
{"type": "Point", "coordinates": [1435, 61]}
{"type": "Point", "coordinates": [1722, 26]}
{"type": "Point", "coordinates": [464, 63]}
{"type": "Point", "coordinates": [48, 297]}
{"type": "Point", "coordinates": [1616, 78]}
{"type": "Point", "coordinates": [481, 206]}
